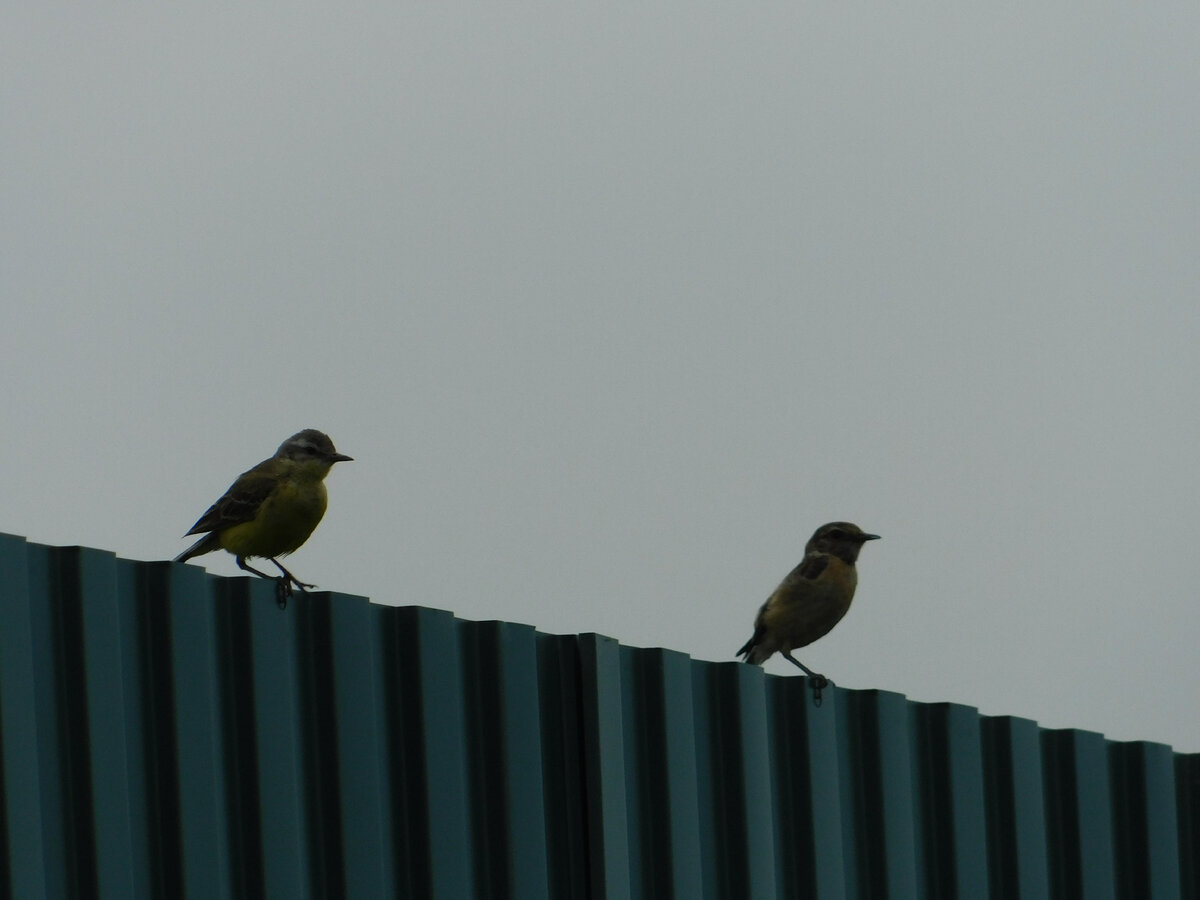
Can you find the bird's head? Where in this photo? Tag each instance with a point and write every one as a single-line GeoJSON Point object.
{"type": "Point", "coordinates": [311, 448]}
{"type": "Point", "coordinates": [841, 539]}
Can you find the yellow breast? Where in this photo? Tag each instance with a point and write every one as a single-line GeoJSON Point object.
{"type": "Point", "coordinates": [284, 521]}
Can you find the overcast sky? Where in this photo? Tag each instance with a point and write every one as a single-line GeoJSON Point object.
{"type": "Point", "coordinates": [613, 308]}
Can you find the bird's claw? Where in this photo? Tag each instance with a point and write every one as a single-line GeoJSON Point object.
{"type": "Point", "coordinates": [283, 589]}
{"type": "Point", "coordinates": [819, 683]}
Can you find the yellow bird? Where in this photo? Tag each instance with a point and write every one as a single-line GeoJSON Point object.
{"type": "Point", "coordinates": [271, 509]}
{"type": "Point", "coordinates": [810, 600]}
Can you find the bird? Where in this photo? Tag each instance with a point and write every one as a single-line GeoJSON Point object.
{"type": "Point", "coordinates": [810, 600]}
{"type": "Point", "coordinates": [270, 510]}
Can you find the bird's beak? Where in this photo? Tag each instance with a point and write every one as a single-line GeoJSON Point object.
{"type": "Point", "coordinates": [870, 537]}
{"type": "Point", "coordinates": [340, 457]}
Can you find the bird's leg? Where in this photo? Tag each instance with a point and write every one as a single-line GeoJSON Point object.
{"type": "Point", "coordinates": [246, 567]}
{"type": "Point", "coordinates": [290, 577]}
{"type": "Point", "coordinates": [819, 681]}
{"type": "Point", "coordinates": [787, 654]}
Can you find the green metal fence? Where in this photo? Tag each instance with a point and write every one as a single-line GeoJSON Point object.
{"type": "Point", "coordinates": [167, 733]}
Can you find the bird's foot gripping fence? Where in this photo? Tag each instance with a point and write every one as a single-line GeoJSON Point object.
{"type": "Point", "coordinates": [283, 590]}
{"type": "Point", "coordinates": [818, 683]}
{"type": "Point", "coordinates": [283, 585]}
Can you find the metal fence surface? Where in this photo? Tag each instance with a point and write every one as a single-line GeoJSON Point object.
{"type": "Point", "coordinates": [168, 733]}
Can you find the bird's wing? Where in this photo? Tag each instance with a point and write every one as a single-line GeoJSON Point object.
{"type": "Point", "coordinates": [796, 589]}
{"type": "Point", "coordinates": [241, 502]}
{"type": "Point", "coordinates": [810, 569]}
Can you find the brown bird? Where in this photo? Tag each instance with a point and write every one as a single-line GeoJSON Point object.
{"type": "Point", "coordinates": [810, 600]}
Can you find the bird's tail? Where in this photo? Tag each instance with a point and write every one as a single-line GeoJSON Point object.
{"type": "Point", "coordinates": [206, 544]}
{"type": "Point", "coordinates": [752, 653]}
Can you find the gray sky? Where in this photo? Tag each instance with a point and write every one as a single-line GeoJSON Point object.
{"type": "Point", "coordinates": [613, 308]}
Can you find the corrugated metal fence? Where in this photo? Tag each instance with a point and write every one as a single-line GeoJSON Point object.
{"type": "Point", "coordinates": [166, 733]}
